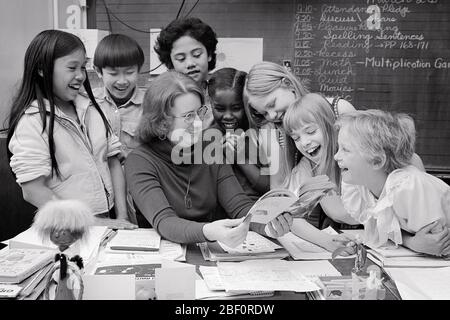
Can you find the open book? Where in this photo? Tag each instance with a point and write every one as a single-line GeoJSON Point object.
{"type": "Point", "coordinates": [299, 203]}
{"type": "Point", "coordinates": [255, 246]}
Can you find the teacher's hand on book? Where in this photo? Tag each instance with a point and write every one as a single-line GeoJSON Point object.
{"type": "Point", "coordinates": [279, 226]}
{"type": "Point", "coordinates": [231, 232]}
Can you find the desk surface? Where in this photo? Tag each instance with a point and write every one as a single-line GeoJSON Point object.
{"type": "Point", "coordinates": [344, 266]}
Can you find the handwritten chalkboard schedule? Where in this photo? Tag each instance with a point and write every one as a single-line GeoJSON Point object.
{"type": "Point", "coordinates": [387, 54]}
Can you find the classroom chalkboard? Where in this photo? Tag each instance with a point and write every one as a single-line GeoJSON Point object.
{"type": "Point", "coordinates": [387, 54]}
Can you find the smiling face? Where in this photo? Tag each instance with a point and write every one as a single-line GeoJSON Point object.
{"type": "Point", "coordinates": [309, 141]}
{"type": "Point", "coordinates": [120, 81]}
{"type": "Point", "coordinates": [182, 132]}
{"type": "Point", "coordinates": [228, 109]}
{"type": "Point", "coordinates": [272, 106]}
{"type": "Point", "coordinates": [355, 168]}
{"type": "Point", "coordinates": [69, 73]}
{"type": "Point", "coordinates": [190, 57]}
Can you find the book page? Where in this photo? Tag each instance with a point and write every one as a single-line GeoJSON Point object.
{"type": "Point", "coordinates": [254, 243]}
{"type": "Point", "coordinates": [300, 249]}
{"type": "Point", "coordinates": [267, 209]}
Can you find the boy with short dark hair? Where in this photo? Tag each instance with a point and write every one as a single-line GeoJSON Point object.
{"type": "Point", "coordinates": [117, 61]}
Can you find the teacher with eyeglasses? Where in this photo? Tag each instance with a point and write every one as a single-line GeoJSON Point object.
{"type": "Point", "coordinates": [182, 200]}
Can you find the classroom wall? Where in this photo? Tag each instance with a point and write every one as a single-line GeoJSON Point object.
{"type": "Point", "coordinates": [228, 18]}
{"type": "Point", "coordinates": [20, 20]}
{"type": "Point", "coordinates": [293, 28]}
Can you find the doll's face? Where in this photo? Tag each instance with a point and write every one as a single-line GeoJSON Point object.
{"type": "Point", "coordinates": [64, 238]}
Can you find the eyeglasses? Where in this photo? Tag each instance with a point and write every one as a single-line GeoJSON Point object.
{"type": "Point", "coordinates": [190, 117]}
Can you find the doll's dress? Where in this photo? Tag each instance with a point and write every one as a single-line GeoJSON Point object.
{"type": "Point", "coordinates": [70, 288]}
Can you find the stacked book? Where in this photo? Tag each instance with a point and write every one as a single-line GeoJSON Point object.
{"type": "Point", "coordinates": [135, 240]}
{"type": "Point", "coordinates": [255, 246]}
{"type": "Point", "coordinates": [87, 248]}
{"type": "Point", "coordinates": [212, 287]}
{"type": "Point", "coordinates": [400, 257]}
{"type": "Point", "coordinates": [23, 272]}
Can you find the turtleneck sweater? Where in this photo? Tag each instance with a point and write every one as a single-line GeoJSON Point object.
{"type": "Point", "coordinates": [160, 189]}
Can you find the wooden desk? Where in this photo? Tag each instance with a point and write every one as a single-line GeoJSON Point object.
{"type": "Point", "coordinates": [344, 266]}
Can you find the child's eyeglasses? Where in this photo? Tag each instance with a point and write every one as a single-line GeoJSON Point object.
{"type": "Point", "coordinates": [190, 117]}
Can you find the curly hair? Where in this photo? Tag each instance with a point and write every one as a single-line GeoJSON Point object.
{"type": "Point", "coordinates": [192, 27]}
{"type": "Point", "coordinates": [159, 98]}
{"type": "Point", "coordinates": [228, 79]}
{"type": "Point", "coordinates": [378, 133]}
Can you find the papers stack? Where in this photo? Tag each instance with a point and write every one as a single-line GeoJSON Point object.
{"type": "Point", "coordinates": [264, 275]}
{"type": "Point", "coordinates": [403, 257]}
{"type": "Point", "coordinates": [255, 246]}
{"type": "Point", "coordinates": [211, 287]}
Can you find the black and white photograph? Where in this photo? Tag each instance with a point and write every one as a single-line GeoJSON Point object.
{"type": "Point", "coordinates": [224, 158]}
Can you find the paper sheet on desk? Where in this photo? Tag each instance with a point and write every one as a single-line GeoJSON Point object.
{"type": "Point", "coordinates": [422, 283]}
{"type": "Point", "coordinates": [263, 275]}
{"type": "Point", "coordinates": [300, 249]}
{"type": "Point", "coordinates": [213, 281]}
{"type": "Point", "coordinates": [175, 281]}
{"type": "Point", "coordinates": [320, 268]}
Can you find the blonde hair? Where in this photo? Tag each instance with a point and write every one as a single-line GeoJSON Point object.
{"type": "Point", "coordinates": [71, 215]}
{"type": "Point", "coordinates": [315, 108]}
{"type": "Point", "coordinates": [380, 134]}
{"type": "Point", "coordinates": [264, 78]}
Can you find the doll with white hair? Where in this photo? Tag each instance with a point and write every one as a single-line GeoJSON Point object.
{"type": "Point", "coordinates": [64, 222]}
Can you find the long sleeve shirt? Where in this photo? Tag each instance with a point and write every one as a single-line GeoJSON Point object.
{"type": "Point", "coordinates": [81, 151]}
{"type": "Point", "coordinates": [163, 191]}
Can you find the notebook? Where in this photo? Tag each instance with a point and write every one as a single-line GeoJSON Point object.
{"type": "Point", "coordinates": [401, 257]}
